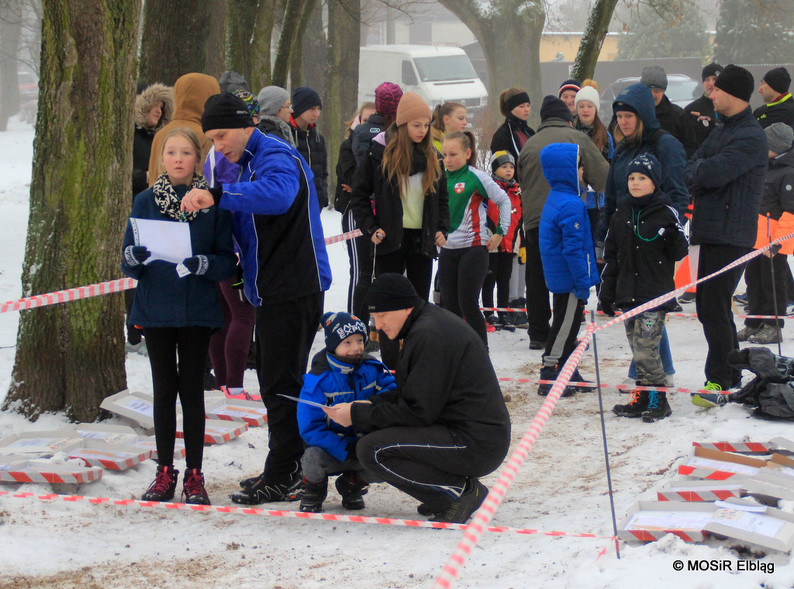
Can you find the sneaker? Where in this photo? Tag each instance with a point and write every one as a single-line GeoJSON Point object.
{"type": "Point", "coordinates": [426, 509]}
{"type": "Point", "coordinates": [687, 297]}
{"type": "Point", "coordinates": [252, 481]}
{"type": "Point", "coordinates": [520, 318]}
{"type": "Point", "coordinates": [712, 386]}
{"type": "Point", "coordinates": [498, 321]}
{"type": "Point", "coordinates": [352, 488]}
{"type": "Point", "coordinates": [768, 334]}
{"type": "Point", "coordinates": [193, 489]}
{"type": "Point", "coordinates": [460, 511]}
{"type": "Point", "coordinates": [745, 332]}
{"type": "Point", "coordinates": [313, 495]}
{"type": "Point", "coordinates": [709, 400]}
{"type": "Point", "coordinates": [658, 407]}
{"type": "Point", "coordinates": [239, 393]}
{"type": "Point", "coordinates": [163, 486]}
{"type": "Point", "coordinates": [266, 490]}
{"type": "Point", "coordinates": [636, 405]}
{"type": "Point", "coordinates": [676, 308]}
{"type": "Point", "coordinates": [740, 298]}
{"type": "Point", "coordinates": [490, 317]}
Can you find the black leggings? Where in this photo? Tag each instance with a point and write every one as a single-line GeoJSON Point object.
{"type": "Point", "coordinates": [500, 270]}
{"type": "Point", "coordinates": [178, 356]}
{"type": "Point", "coordinates": [461, 273]}
{"type": "Point", "coordinates": [359, 250]}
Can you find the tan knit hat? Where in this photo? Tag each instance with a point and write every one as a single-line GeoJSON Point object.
{"type": "Point", "coordinates": [412, 107]}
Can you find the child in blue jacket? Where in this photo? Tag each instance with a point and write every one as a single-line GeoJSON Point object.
{"type": "Point", "coordinates": [568, 256]}
{"type": "Point", "coordinates": [341, 373]}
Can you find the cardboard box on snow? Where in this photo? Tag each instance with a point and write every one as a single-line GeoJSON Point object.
{"type": "Point", "coordinates": [218, 406]}
{"type": "Point", "coordinates": [135, 406]}
{"type": "Point", "coordinates": [23, 469]}
{"type": "Point", "coordinates": [39, 443]}
{"type": "Point", "coordinates": [704, 463]}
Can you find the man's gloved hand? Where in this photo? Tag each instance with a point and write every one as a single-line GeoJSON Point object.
{"type": "Point", "coordinates": [135, 255]}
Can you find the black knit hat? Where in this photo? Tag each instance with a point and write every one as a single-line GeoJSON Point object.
{"type": "Point", "coordinates": [225, 111]}
{"type": "Point", "coordinates": [647, 165]}
{"type": "Point", "coordinates": [391, 292]}
{"type": "Point", "coordinates": [712, 69]}
{"type": "Point", "coordinates": [736, 81]}
{"type": "Point", "coordinates": [778, 79]}
{"type": "Point", "coordinates": [339, 326]}
{"type": "Point", "coordinates": [303, 99]}
{"type": "Point", "coordinates": [554, 108]}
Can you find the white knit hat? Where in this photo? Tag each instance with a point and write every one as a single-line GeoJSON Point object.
{"type": "Point", "coordinates": [588, 94]}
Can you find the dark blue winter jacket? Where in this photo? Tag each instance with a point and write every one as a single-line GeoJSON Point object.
{"type": "Point", "coordinates": [667, 149]}
{"type": "Point", "coordinates": [162, 298]}
{"type": "Point", "coordinates": [331, 381]}
{"type": "Point", "coordinates": [726, 177]}
{"type": "Point", "coordinates": [566, 244]}
{"type": "Point", "coordinates": [277, 223]}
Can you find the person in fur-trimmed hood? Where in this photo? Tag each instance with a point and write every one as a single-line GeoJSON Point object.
{"type": "Point", "coordinates": [154, 108]}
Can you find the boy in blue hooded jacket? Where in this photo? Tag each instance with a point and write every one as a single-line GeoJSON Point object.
{"type": "Point", "coordinates": [568, 255]}
{"type": "Point", "coordinates": [341, 373]}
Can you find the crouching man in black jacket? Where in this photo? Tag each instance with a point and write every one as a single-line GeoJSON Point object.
{"type": "Point", "coordinates": [446, 424]}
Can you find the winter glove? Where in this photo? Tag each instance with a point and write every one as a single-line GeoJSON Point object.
{"type": "Point", "coordinates": [607, 308]}
{"type": "Point", "coordinates": [238, 277]}
{"type": "Point", "coordinates": [197, 265]}
{"type": "Point", "coordinates": [135, 255]}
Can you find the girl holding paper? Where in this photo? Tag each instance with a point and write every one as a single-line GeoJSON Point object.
{"type": "Point", "coordinates": [177, 306]}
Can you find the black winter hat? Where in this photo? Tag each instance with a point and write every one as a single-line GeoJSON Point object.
{"type": "Point", "coordinates": [303, 99]}
{"type": "Point", "coordinates": [554, 108]}
{"type": "Point", "coordinates": [736, 81]}
{"type": "Point", "coordinates": [339, 326]}
{"type": "Point", "coordinates": [391, 292]}
{"type": "Point", "coordinates": [778, 79]}
{"type": "Point", "coordinates": [225, 111]}
{"type": "Point", "coordinates": [712, 69]}
{"type": "Point", "coordinates": [647, 165]}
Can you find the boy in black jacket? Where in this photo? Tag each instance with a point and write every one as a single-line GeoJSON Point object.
{"type": "Point", "coordinates": [644, 241]}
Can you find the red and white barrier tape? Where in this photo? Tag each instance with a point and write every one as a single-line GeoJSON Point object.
{"type": "Point", "coordinates": [497, 493]}
{"type": "Point", "coordinates": [619, 387]}
{"type": "Point", "coordinates": [111, 286]}
{"type": "Point", "coordinates": [334, 517]}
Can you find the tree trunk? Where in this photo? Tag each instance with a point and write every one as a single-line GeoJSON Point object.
{"type": "Point", "coordinates": [174, 39]}
{"type": "Point", "coordinates": [241, 25]}
{"type": "Point", "coordinates": [70, 356]}
{"type": "Point", "coordinates": [215, 48]}
{"type": "Point", "coordinates": [296, 76]}
{"type": "Point", "coordinates": [592, 40]}
{"type": "Point", "coordinates": [341, 88]}
{"type": "Point", "coordinates": [286, 42]}
{"type": "Point", "coordinates": [314, 51]}
{"type": "Point", "coordinates": [10, 26]}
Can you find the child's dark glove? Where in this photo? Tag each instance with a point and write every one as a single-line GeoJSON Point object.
{"type": "Point", "coordinates": [607, 307]}
{"type": "Point", "coordinates": [135, 255]}
{"type": "Point", "coordinates": [238, 277]}
{"type": "Point", "coordinates": [197, 265]}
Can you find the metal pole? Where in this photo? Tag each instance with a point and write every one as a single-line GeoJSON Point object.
{"type": "Point", "coordinates": [774, 288]}
{"type": "Point", "coordinates": [604, 438]}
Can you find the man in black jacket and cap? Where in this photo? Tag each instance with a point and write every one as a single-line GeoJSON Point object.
{"type": "Point", "coordinates": [779, 104]}
{"type": "Point", "coordinates": [726, 179]}
{"type": "Point", "coordinates": [671, 117]}
{"type": "Point", "coordinates": [704, 119]}
{"type": "Point", "coordinates": [446, 424]}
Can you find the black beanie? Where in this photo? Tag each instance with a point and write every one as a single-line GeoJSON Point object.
{"type": "Point", "coordinates": [554, 108]}
{"type": "Point", "coordinates": [391, 292]}
{"type": "Point", "coordinates": [712, 69]}
{"type": "Point", "coordinates": [225, 111]}
{"type": "Point", "coordinates": [647, 165]}
{"type": "Point", "coordinates": [340, 326]}
{"type": "Point", "coordinates": [778, 79]}
{"type": "Point", "coordinates": [736, 81]}
{"type": "Point", "coordinates": [303, 99]}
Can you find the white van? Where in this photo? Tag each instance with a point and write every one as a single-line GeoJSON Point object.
{"type": "Point", "coordinates": [437, 74]}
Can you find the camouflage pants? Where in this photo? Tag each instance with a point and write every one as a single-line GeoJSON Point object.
{"type": "Point", "coordinates": [644, 332]}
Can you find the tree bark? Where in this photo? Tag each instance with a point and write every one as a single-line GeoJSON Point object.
{"type": "Point", "coordinates": [215, 48]}
{"type": "Point", "coordinates": [174, 40]}
{"type": "Point", "coordinates": [313, 51]}
{"type": "Point", "coordinates": [287, 41]}
{"type": "Point", "coordinates": [509, 33]}
{"type": "Point", "coordinates": [593, 39]}
{"type": "Point", "coordinates": [10, 27]}
{"type": "Point", "coordinates": [341, 88]}
{"type": "Point", "coordinates": [241, 25]}
{"type": "Point", "coordinates": [70, 356]}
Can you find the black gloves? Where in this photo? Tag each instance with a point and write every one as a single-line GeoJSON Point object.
{"type": "Point", "coordinates": [135, 255]}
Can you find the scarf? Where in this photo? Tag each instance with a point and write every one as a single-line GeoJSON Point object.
{"type": "Point", "coordinates": [418, 161]}
{"type": "Point", "coordinates": [168, 201]}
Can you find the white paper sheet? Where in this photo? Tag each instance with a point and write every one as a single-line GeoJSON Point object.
{"type": "Point", "coordinates": [167, 240]}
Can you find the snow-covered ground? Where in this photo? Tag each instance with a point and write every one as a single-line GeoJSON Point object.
{"type": "Point", "coordinates": [561, 486]}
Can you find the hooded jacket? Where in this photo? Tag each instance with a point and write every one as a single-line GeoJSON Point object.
{"type": "Point", "coordinates": [276, 223]}
{"type": "Point", "coordinates": [780, 111]}
{"type": "Point", "coordinates": [565, 239]}
{"type": "Point", "coordinates": [190, 93]}
{"type": "Point", "coordinates": [667, 149]}
{"type": "Point", "coordinates": [330, 381]}
{"type": "Point", "coordinates": [726, 178]}
{"type": "Point", "coordinates": [675, 121]}
{"type": "Point", "coordinates": [640, 251]}
{"type": "Point", "coordinates": [311, 145]}
{"type": "Point", "coordinates": [144, 135]}
{"type": "Point", "coordinates": [778, 201]}
{"type": "Point", "coordinates": [386, 211]}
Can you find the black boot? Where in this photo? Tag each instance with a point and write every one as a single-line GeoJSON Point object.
{"type": "Point", "coordinates": [636, 405]}
{"type": "Point", "coordinates": [658, 407]}
{"type": "Point", "coordinates": [313, 496]}
{"type": "Point", "coordinates": [352, 488]}
{"type": "Point", "coordinates": [163, 486]}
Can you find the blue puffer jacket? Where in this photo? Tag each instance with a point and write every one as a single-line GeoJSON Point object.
{"type": "Point", "coordinates": [331, 381]}
{"type": "Point", "coordinates": [667, 149]}
{"type": "Point", "coordinates": [277, 223]}
{"type": "Point", "coordinates": [162, 298]}
{"type": "Point", "coordinates": [566, 244]}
